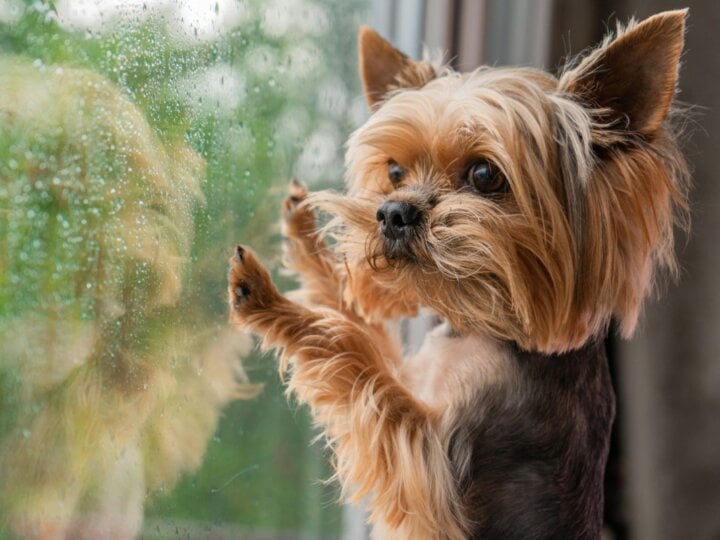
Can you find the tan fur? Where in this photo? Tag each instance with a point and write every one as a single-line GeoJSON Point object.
{"type": "Point", "coordinates": [577, 244]}
{"type": "Point", "coordinates": [576, 240]}
{"type": "Point", "coordinates": [447, 369]}
{"type": "Point", "coordinates": [383, 438]}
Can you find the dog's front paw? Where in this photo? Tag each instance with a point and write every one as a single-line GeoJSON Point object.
{"type": "Point", "coordinates": [250, 287]}
{"type": "Point", "coordinates": [298, 218]}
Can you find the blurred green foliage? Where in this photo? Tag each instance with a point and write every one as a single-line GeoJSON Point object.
{"type": "Point", "coordinates": [115, 227]}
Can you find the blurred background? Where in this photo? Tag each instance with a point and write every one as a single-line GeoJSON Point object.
{"type": "Point", "coordinates": [141, 139]}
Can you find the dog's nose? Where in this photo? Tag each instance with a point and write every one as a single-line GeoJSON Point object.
{"type": "Point", "coordinates": [397, 218]}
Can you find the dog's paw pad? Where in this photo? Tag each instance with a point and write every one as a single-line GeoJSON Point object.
{"type": "Point", "coordinates": [247, 277]}
{"type": "Point", "coordinates": [242, 292]}
{"type": "Point", "coordinates": [297, 193]}
{"type": "Point", "coordinates": [297, 190]}
{"type": "Point", "coordinates": [298, 216]}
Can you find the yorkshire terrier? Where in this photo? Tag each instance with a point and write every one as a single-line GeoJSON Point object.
{"type": "Point", "coordinates": [525, 211]}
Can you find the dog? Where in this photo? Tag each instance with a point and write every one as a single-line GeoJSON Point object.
{"type": "Point", "coordinates": [525, 212]}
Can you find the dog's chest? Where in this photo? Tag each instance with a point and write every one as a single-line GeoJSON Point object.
{"type": "Point", "coordinates": [448, 369]}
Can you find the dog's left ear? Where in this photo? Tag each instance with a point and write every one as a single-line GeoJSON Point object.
{"type": "Point", "coordinates": [383, 68]}
{"type": "Point", "coordinates": [631, 80]}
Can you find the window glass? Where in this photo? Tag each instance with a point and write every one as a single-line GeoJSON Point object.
{"type": "Point", "coordinates": [139, 141]}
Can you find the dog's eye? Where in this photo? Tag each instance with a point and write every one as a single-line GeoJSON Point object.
{"type": "Point", "coordinates": [395, 172]}
{"type": "Point", "coordinates": [485, 178]}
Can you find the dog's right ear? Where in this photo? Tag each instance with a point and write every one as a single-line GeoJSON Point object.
{"type": "Point", "coordinates": [383, 68]}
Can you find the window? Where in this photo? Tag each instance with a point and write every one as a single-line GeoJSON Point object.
{"type": "Point", "coordinates": [139, 141]}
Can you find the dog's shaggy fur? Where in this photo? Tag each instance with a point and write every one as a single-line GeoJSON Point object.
{"type": "Point", "coordinates": [524, 210]}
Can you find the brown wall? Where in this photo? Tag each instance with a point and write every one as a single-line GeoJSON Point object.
{"type": "Point", "coordinates": [669, 374]}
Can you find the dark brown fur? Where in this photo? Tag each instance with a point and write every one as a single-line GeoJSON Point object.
{"type": "Point", "coordinates": [536, 470]}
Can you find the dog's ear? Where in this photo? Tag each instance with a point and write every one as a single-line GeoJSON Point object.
{"type": "Point", "coordinates": [631, 80]}
{"type": "Point", "coordinates": [383, 68]}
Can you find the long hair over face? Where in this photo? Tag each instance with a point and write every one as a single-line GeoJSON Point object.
{"type": "Point", "coordinates": [576, 237]}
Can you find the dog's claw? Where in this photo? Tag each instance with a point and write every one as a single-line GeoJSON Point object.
{"type": "Point", "coordinates": [240, 289]}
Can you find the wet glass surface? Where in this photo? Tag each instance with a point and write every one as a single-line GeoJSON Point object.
{"type": "Point", "coordinates": [139, 141]}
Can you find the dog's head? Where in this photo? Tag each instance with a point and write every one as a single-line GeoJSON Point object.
{"type": "Point", "coordinates": [511, 202]}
